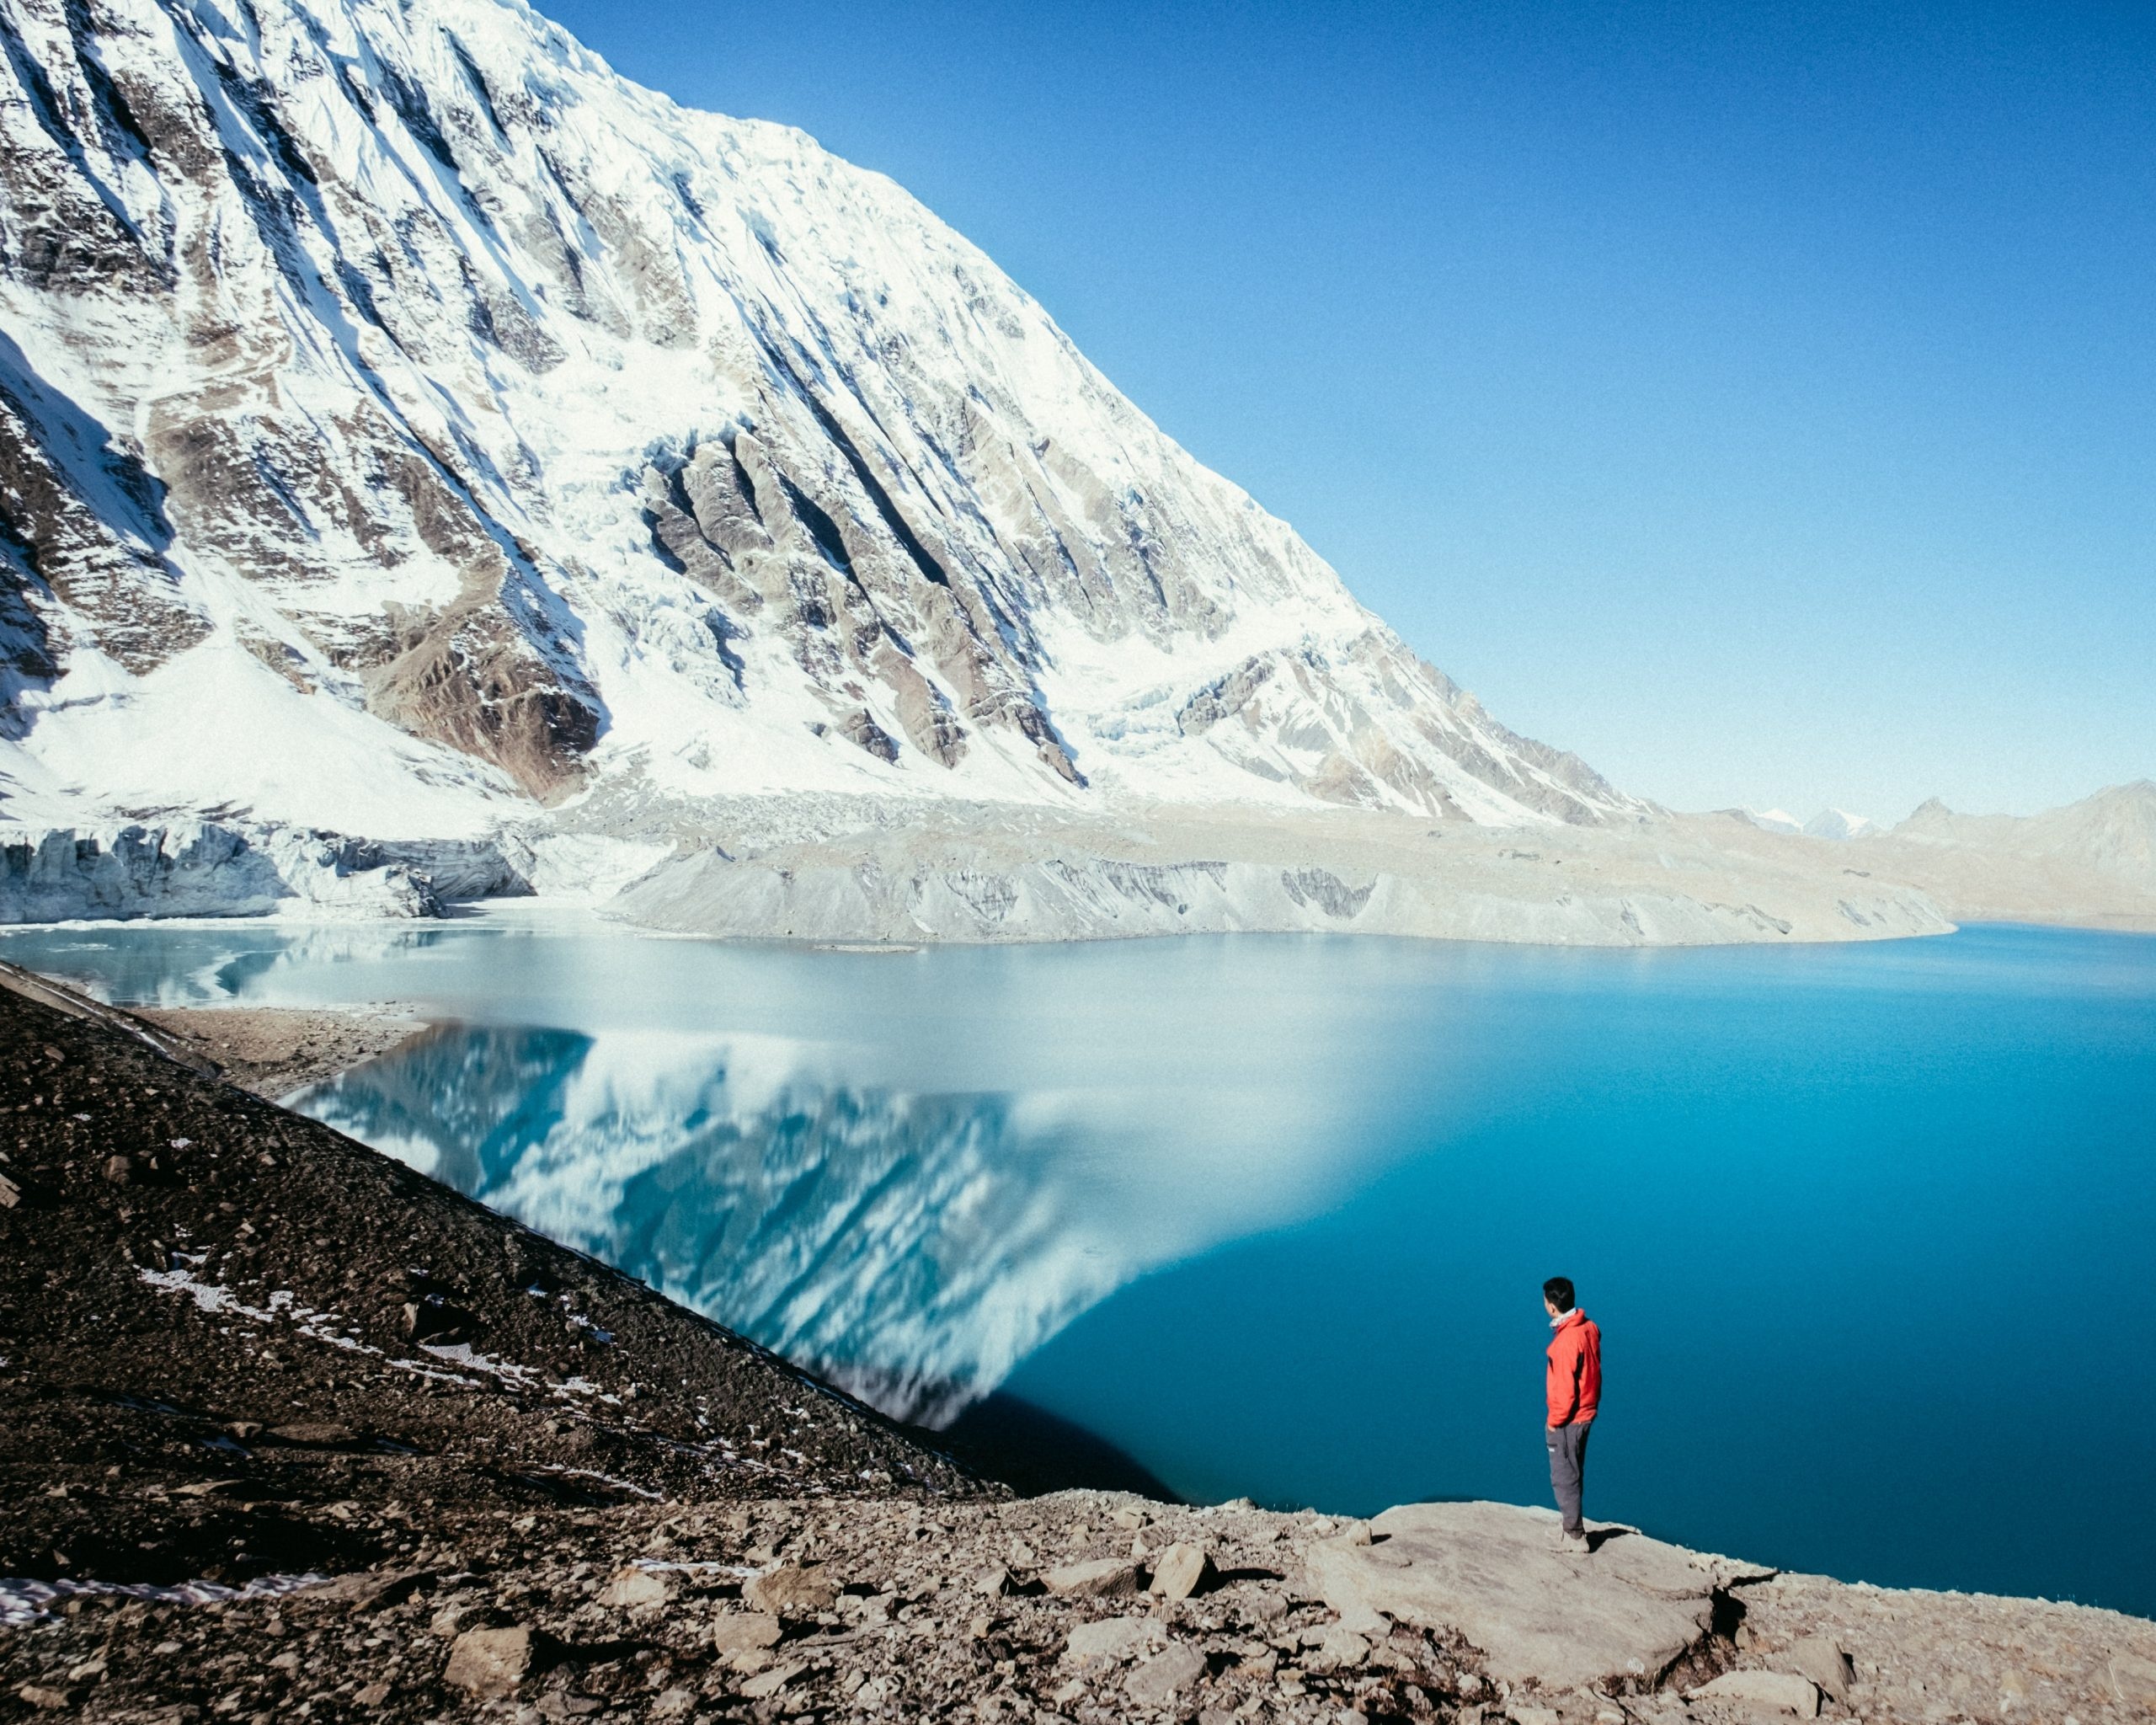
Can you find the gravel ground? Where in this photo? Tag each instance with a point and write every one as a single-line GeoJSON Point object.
{"type": "Point", "coordinates": [275, 1051]}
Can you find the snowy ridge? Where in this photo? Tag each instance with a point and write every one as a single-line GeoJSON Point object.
{"type": "Point", "coordinates": [1828, 824]}
{"type": "Point", "coordinates": [1839, 824]}
{"type": "Point", "coordinates": [406, 426]}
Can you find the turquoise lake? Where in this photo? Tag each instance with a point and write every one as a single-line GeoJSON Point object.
{"type": "Point", "coordinates": [1868, 1229]}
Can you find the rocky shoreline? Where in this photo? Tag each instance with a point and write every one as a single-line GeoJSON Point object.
{"type": "Point", "coordinates": [288, 1431]}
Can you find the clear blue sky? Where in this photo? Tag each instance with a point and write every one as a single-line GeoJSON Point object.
{"type": "Point", "coordinates": [1759, 399]}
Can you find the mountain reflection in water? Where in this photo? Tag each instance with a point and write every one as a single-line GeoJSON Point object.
{"type": "Point", "coordinates": [1270, 1215]}
{"type": "Point", "coordinates": [911, 1247]}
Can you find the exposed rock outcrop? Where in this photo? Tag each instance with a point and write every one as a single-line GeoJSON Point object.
{"type": "Point", "coordinates": [1635, 1610]}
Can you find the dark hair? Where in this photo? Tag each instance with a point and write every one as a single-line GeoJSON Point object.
{"type": "Point", "coordinates": [1558, 1291]}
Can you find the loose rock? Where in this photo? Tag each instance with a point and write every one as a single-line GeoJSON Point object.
{"type": "Point", "coordinates": [1110, 1638]}
{"type": "Point", "coordinates": [490, 1661]}
{"type": "Point", "coordinates": [1766, 1688]}
{"type": "Point", "coordinates": [632, 1587]}
{"type": "Point", "coordinates": [1821, 1660]}
{"type": "Point", "coordinates": [368, 1589]}
{"type": "Point", "coordinates": [1182, 1570]}
{"type": "Point", "coordinates": [745, 1632]}
{"type": "Point", "coordinates": [792, 1590]}
{"type": "Point", "coordinates": [1104, 1578]}
{"type": "Point", "coordinates": [1166, 1676]}
{"type": "Point", "coordinates": [1339, 1645]}
{"type": "Point", "coordinates": [771, 1681]}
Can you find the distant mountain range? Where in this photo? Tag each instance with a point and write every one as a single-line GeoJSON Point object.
{"type": "Point", "coordinates": [1826, 824]}
{"type": "Point", "coordinates": [2093, 861]}
{"type": "Point", "coordinates": [2112, 833]}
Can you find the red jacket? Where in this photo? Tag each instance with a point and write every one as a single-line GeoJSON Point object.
{"type": "Point", "coordinates": [1574, 1380]}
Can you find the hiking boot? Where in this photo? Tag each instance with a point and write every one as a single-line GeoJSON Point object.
{"type": "Point", "coordinates": [1573, 1545]}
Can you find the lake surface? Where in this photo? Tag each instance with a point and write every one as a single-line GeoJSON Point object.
{"type": "Point", "coordinates": [1869, 1229]}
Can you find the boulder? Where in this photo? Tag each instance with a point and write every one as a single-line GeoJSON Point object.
{"type": "Point", "coordinates": [994, 1582]}
{"type": "Point", "coordinates": [1338, 1647]}
{"type": "Point", "coordinates": [632, 1586]}
{"type": "Point", "coordinates": [1167, 1674]}
{"type": "Point", "coordinates": [792, 1590]}
{"type": "Point", "coordinates": [1181, 1571]}
{"type": "Point", "coordinates": [1781, 1690]}
{"type": "Point", "coordinates": [489, 1662]}
{"type": "Point", "coordinates": [1103, 1579]}
{"type": "Point", "coordinates": [745, 1631]}
{"type": "Point", "coordinates": [1489, 1572]}
{"type": "Point", "coordinates": [1821, 1659]}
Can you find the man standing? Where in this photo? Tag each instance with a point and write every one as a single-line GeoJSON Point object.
{"type": "Point", "coordinates": [1574, 1383]}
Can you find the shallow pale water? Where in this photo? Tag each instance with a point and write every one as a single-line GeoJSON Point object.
{"type": "Point", "coordinates": [1868, 1228]}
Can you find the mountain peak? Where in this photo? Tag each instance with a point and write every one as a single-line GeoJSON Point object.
{"type": "Point", "coordinates": [493, 432]}
{"type": "Point", "coordinates": [1839, 824]}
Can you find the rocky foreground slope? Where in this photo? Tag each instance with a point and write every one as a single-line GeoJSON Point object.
{"type": "Point", "coordinates": [286, 1431]}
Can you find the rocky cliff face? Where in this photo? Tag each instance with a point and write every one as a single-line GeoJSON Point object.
{"type": "Point", "coordinates": [405, 422]}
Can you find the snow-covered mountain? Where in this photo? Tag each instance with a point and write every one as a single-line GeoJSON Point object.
{"type": "Point", "coordinates": [1839, 824]}
{"type": "Point", "coordinates": [406, 425]}
{"type": "Point", "coordinates": [1826, 824]}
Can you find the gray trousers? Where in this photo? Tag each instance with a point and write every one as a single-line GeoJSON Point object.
{"type": "Point", "coordinates": [1568, 1470]}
